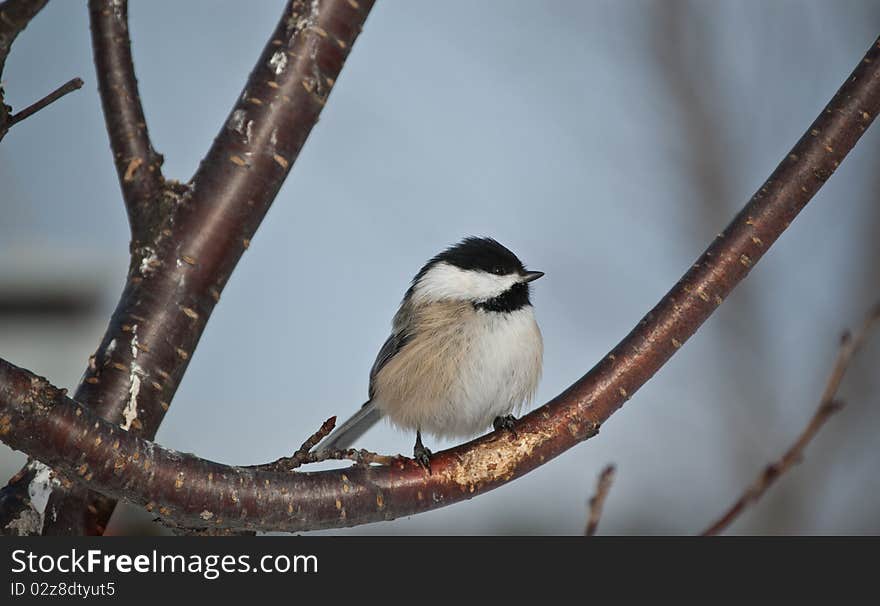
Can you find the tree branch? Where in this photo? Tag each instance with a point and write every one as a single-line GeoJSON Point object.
{"type": "Point", "coordinates": [137, 163]}
{"type": "Point", "coordinates": [194, 235]}
{"type": "Point", "coordinates": [597, 501]}
{"type": "Point", "coordinates": [301, 456]}
{"type": "Point", "coordinates": [304, 454]}
{"type": "Point", "coordinates": [30, 110]}
{"type": "Point", "coordinates": [14, 17]}
{"type": "Point", "coordinates": [849, 346]}
{"type": "Point", "coordinates": [191, 491]}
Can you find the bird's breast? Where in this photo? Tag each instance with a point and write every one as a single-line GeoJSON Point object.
{"type": "Point", "coordinates": [461, 368]}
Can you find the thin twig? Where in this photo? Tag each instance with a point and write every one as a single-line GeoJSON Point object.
{"type": "Point", "coordinates": [67, 87]}
{"type": "Point", "coordinates": [304, 456]}
{"type": "Point", "coordinates": [360, 456]}
{"type": "Point", "coordinates": [597, 501]}
{"type": "Point", "coordinates": [828, 405]}
{"type": "Point", "coordinates": [301, 456]}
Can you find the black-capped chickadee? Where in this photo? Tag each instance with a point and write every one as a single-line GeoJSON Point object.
{"type": "Point", "coordinates": [464, 352]}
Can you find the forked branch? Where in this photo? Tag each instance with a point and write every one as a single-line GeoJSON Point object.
{"type": "Point", "coordinates": [304, 454]}
{"type": "Point", "coordinates": [188, 238]}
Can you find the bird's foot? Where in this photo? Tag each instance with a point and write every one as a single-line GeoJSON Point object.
{"type": "Point", "coordinates": [421, 454]}
{"type": "Point", "coordinates": [506, 422]}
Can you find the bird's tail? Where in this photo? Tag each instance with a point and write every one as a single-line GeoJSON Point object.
{"type": "Point", "coordinates": [346, 434]}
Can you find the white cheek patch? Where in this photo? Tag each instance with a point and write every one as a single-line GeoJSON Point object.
{"type": "Point", "coordinates": [447, 282]}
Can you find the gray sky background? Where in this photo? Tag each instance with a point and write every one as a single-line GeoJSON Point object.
{"type": "Point", "coordinates": [568, 131]}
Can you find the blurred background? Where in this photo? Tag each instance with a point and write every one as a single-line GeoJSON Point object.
{"type": "Point", "coordinates": [604, 142]}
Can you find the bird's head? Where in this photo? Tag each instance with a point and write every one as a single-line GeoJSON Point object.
{"type": "Point", "coordinates": [478, 270]}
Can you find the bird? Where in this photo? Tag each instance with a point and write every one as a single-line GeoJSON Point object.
{"type": "Point", "coordinates": [465, 350]}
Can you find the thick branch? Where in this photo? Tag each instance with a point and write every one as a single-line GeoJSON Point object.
{"type": "Point", "coordinates": [192, 491]}
{"type": "Point", "coordinates": [849, 346]}
{"type": "Point", "coordinates": [176, 278]}
{"type": "Point", "coordinates": [137, 163]}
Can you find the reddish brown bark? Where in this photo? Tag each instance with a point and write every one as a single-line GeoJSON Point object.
{"type": "Point", "coordinates": [137, 163]}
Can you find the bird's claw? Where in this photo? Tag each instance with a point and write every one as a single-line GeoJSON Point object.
{"type": "Point", "coordinates": [506, 422]}
{"type": "Point", "coordinates": [422, 456]}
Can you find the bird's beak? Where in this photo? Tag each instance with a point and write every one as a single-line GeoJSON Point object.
{"type": "Point", "coordinates": [531, 276]}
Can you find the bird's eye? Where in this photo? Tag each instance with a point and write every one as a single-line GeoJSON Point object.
{"type": "Point", "coordinates": [498, 271]}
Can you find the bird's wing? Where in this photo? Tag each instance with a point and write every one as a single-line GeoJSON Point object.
{"type": "Point", "coordinates": [369, 414]}
{"type": "Point", "coordinates": [393, 344]}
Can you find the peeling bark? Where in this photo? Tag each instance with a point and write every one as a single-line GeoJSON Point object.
{"type": "Point", "coordinates": [21, 517]}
